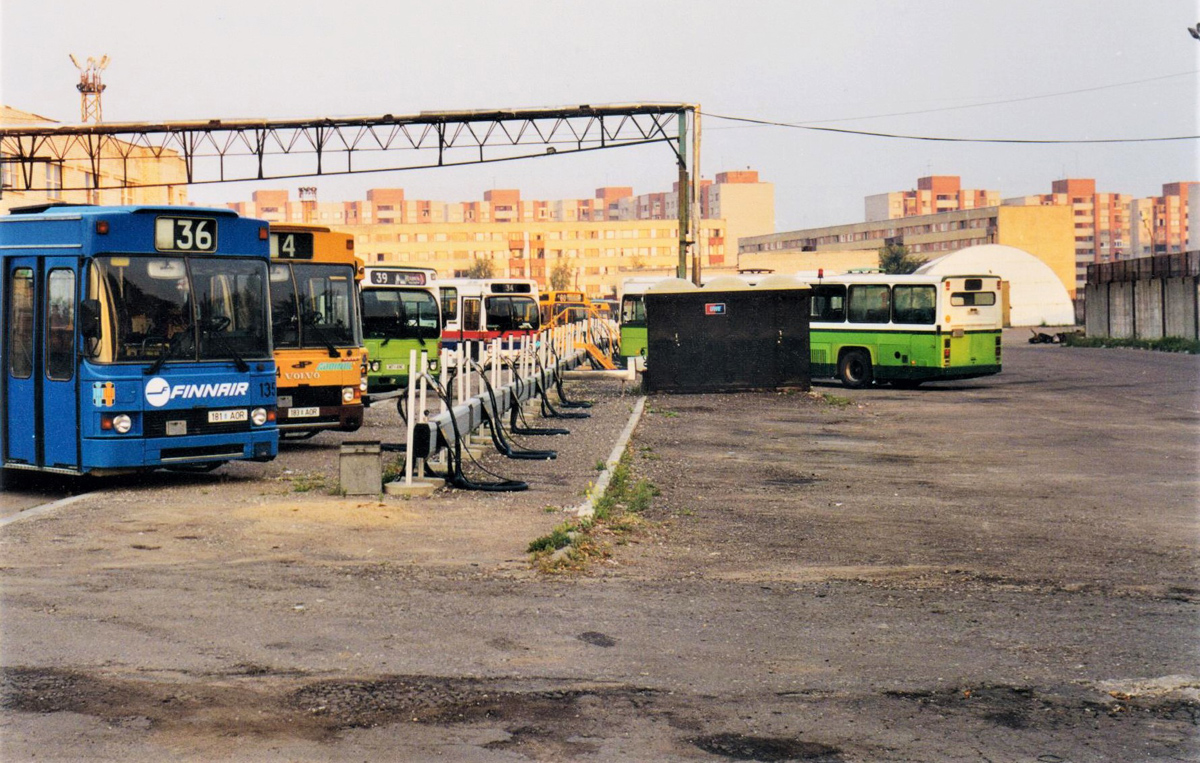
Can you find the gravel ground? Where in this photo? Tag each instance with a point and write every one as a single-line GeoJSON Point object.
{"type": "Point", "coordinates": [999, 569]}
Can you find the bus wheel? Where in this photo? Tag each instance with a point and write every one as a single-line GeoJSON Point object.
{"type": "Point", "coordinates": [854, 369]}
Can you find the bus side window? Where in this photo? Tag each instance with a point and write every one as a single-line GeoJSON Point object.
{"type": "Point", "coordinates": [449, 304]}
{"type": "Point", "coordinates": [914, 304]}
{"type": "Point", "coordinates": [870, 303]}
{"type": "Point", "coordinates": [20, 323]}
{"type": "Point", "coordinates": [60, 325]}
{"type": "Point", "coordinates": [828, 304]}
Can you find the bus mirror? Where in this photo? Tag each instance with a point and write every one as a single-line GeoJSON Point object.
{"type": "Point", "coordinates": [89, 318]}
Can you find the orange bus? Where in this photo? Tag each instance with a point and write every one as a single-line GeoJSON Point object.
{"type": "Point", "coordinates": [558, 307]}
{"type": "Point", "coordinates": [317, 329]}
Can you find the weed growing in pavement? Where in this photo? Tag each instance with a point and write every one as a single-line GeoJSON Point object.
{"type": "Point", "coordinates": [648, 453]}
{"type": "Point", "coordinates": [304, 482]}
{"type": "Point", "coordinates": [836, 401]}
{"type": "Point", "coordinates": [601, 466]}
{"type": "Point", "coordinates": [1165, 344]}
{"type": "Point", "coordinates": [559, 537]}
{"type": "Point", "coordinates": [393, 470]}
{"type": "Point", "coordinates": [616, 515]}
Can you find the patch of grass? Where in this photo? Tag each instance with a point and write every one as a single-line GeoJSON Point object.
{"type": "Point", "coordinates": [835, 400]}
{"type": "Point", "coordinates": [616, 516]}
{"type": "Point", "coordinates": [305, 482]}
{"type": "Point", "coordinates": [667, 414]}
{"type": "Point", "coordinates": [559, 537]}
{"type": "Point", "coordinates": [393, 470]}
{"type": "Point", "coordinates": [1165, 344]}
{"type": "Point", "coordinates": [648, 453]}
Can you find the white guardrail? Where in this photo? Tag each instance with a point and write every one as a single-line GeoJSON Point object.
{"type": "Point", "coordinates": [517, 371]}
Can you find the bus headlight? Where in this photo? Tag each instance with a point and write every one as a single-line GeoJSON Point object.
{"type": "Point", "coordinates": [122, 423]}
{"type": "Point", "coordinates": [348, 394]}
{"type": "Point", "coordinates": [258, 416]}
{"type": "Point", "coordinates": [362, 385]}
{"type": "Point", "coordinates": [375, 365]}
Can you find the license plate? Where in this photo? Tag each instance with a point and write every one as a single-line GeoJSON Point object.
{"type": "Point", "coordinates": [221, 417]}
{"type": "Point", "coordinates": [303, 413]}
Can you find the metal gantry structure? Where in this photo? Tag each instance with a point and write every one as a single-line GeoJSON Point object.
{"type": "Point", "coordinates": [222, 151]}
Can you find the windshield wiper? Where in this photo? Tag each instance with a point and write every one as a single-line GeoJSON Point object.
{"type": "Point", "coordinates": [171, 345]}
{"type": "Point", "coordinates": [311, 322]}
{"type": "Point", "coordinates": [212, 329]}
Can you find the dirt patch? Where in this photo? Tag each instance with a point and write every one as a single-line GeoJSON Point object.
{"type": "Point", "coordinates": [766, 749]}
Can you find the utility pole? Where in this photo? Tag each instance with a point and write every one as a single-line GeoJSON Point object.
{"type": "Point", "coordinates": [90, 87]}
{"type": "Point", "coordinates": [688, 194]}
{"type": "Point", "coordinates": [684, 199]}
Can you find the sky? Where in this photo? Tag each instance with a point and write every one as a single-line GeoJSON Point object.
{"type": "Point", "coordinates": [1018, 69]}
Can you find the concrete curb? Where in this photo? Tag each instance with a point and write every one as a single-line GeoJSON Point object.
{"type": "Point", "coordinates": [41, 510]}
{"type": "Point", "coordinates": [588, 507]}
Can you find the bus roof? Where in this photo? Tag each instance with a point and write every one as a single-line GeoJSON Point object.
{"type": "Point", "coordinates": [95, 210]}
{"type": "Point", "coordinates": [877, 278]}
{"type": "Point", "coordinates": [301, 228]}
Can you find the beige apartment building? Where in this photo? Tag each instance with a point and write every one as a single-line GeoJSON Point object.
{"type": "Point", "coordinates": [600, 240]}
{"type": "Point", "coordinates": [1046, 232]}
{"type": "Point", "coordinates": [155, 179]}
{"type": "Point", "coordinates": [598, 255]}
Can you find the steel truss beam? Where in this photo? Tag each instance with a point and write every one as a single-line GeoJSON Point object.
{"type": "Point", "coordinates": [219, 151]}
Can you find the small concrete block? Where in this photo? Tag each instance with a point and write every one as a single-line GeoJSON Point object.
{"type": "Point", "coordinates": [360, 468]}
{"type": "Point", "coordinates": [422, 487]}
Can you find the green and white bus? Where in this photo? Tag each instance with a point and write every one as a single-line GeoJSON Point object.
{"type": "Point", "coordinates": [905, 329]}
{"type": "Point", "coordinates": [400, 313]}
{"type": "Point", "coordinates": [632, 320]}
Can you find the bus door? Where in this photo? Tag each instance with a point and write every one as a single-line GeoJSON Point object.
{"type": "Point", "coordinates": [471, 318]}
{"type": "Point", "coordinates": [39, 363]}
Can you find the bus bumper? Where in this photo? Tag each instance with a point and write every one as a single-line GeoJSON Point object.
{"type": "Point", "coordinates": [105, 453]}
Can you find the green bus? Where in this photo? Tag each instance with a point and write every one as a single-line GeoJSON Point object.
{"type": "Point", "coordinates": [905, 329]}
{"type": "Point", "coordinates": [400, 314]}
{"type": "Point", "coordinates": [633, 321]}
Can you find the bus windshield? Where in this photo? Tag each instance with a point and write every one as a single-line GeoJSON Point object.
{"type": "Point", "coordinates": [400, 314]}
{"type": "Point", "coordinates": [179, 308]}
{"type": "Point", "coordinates": [316, 309]}
{"type": "Point", "coordinates": [633, 310]}
{"type": "Point", "coordinates": [511, 314]}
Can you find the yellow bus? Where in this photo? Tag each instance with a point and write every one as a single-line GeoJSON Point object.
{"type": "Point", "coordinates": [559, 307]}
{"type": "Point", "coordinates": [317, 329]}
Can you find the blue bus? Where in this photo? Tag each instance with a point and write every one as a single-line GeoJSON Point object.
{"type": "Point", "coordinates": [134, 338]}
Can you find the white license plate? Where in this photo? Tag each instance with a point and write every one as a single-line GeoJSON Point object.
{"type": "Point", "coordinates": [220, 417]}
{"type": "Point", "coordinates": [303, 413]}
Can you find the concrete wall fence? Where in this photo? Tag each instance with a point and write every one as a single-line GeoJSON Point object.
{"type": "Point", "coordinates": [1144, 298]}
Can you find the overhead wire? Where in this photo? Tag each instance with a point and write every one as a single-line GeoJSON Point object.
{"type": "Point", "coordinates": [1000, 102]}
{"type": "Point", "coordinates": [812, 124]}
{"type": "Point", "coordinates": [944, 139]}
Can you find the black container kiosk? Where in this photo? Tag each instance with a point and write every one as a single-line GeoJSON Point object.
{"type": "Point", "coordinates": [727, 336]}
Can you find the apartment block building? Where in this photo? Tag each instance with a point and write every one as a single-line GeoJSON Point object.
{"type": "Point", "coordinates": [1101, 221]}
{"type": "Point", "coordinates": [600, 239]}
{"type": "Point", "coordinates": [521, 238]}
{"type": "Point", "coordinates": [598, 255]}
{"type": "Point", "coordinates": [1046, 232]}
{"type": "Point", "coordinates": [154, 177]}
{"type": "Point", "coordinates": [933, 194]}
{"type": "Point", "coordinates": [1161, 224]}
